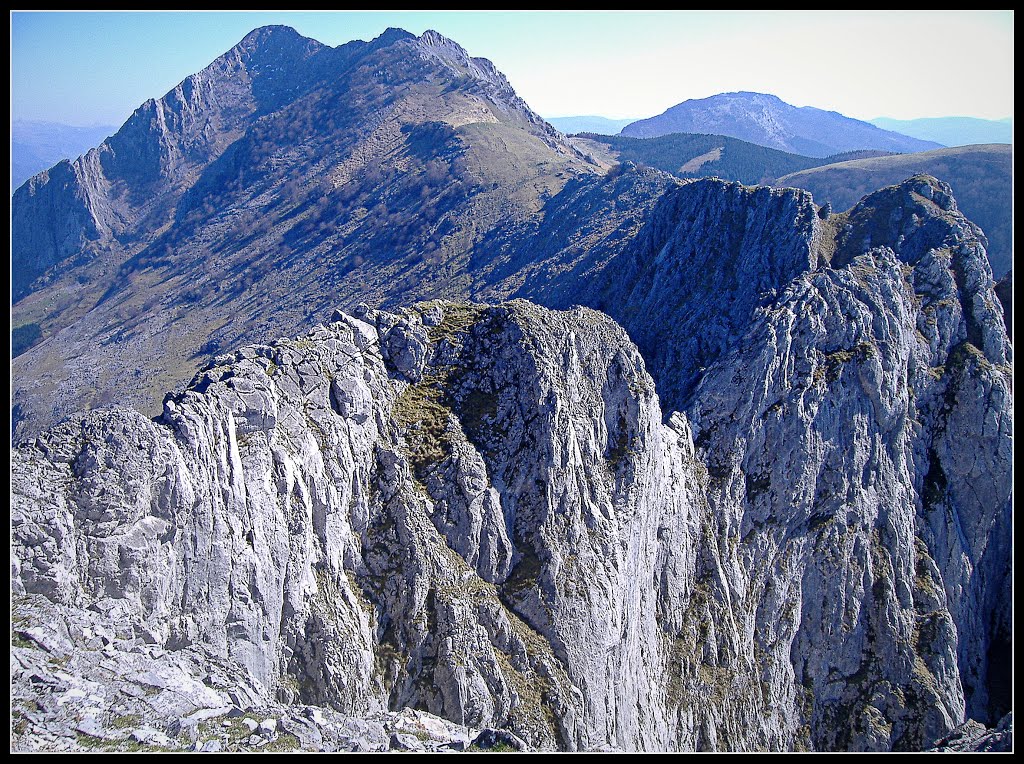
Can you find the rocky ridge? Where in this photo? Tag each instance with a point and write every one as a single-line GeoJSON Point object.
{"type": "Point", "coordinates": [971, 737]}
{"type": "Point", "coordinates": [485, 513]}
{"type": "Point", "coordinates": [364, 172]}
{"type": "Point", "coordinates": [981, 178]}
{"type": "Point", "coordinates": [380, 544]}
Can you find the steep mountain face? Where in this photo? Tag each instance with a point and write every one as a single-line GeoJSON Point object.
{"type": "Point", "coordinates": [844, 399]}
{"type": "Point", "coordinates": [388, 513]}
{"type": "Point", "coordinates": [768, 121]}
{"type": "Point", "coordinates": [486, 512]}
{"type": "Point", "coordinates": [981, 178]}
{"type": "Point", "coordinates": [285, 167]}
{"type": "Point", "coordinates": [898, 289]}
{"type": "Point", "coordinates": [1004, 291]}
{"type": "Point", "coordinates": [710, 255]}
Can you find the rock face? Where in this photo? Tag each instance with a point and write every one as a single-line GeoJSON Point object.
{"type": "Point", "coordinates": [92, 680]}
{"type": "Point", "coordinates": [710, 255]}
{"type": "Point", "coordinates": [971, 737]}
{"type": "Point", "coordinates": [408, 512]}
{"type": "Point", "coordinates": [768, 121]}
{"type": "Point", "coordinates": [485, 513]}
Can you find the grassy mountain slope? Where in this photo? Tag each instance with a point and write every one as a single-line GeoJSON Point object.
{"type": "Point", "coordinates": [691, 155]}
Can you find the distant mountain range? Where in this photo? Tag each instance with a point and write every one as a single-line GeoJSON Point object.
{"type": "Point", "coordinates": [945, 131]}
{"type": "Point", "coordinates": [981, 178]}
{"type": "Point", "coordinates": [37, 145]}
{"type": "Point", "coordinates": [951, 131]}
{"type": "Point", "coordinates": [599, 125]}
{"type": "Point", "coordinates": [769, 121]}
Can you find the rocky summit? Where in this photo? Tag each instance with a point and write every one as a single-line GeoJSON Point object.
{"type": "Point", "coordinates": [285, 176]}
{"type": "Point", "coordinates": [667, 466]}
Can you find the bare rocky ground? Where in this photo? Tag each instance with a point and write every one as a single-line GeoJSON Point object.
{"type": "Point", "coordinates": [84, 681]}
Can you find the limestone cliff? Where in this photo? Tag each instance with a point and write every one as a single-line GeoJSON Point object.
{"type": "Point", "coordinates": [484, 513]}
{"type": "Point", "coordinates": [456, 508]}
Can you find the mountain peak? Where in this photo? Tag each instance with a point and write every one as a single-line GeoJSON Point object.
{"type": "Point", "coordinates": [392, 35]}
{"type": "Point", "coordinates": [769, 121]}
{"type": "Point", "coordinates": [271, 36]}
{"type": "Point", "coordinates": [752, 94]}
{"type": "Point", "coordinates": [446, 49]}
{"type": "Point", "coordinates": [436, 39]}
{"type": "Point", "coordinates": [270, 31]}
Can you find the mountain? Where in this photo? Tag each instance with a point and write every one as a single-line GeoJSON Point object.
{"type": "Point", "coordinates": [951, 131]}
{"type": "Point", "coordinates": [37, 145]}
{"type": "Point", "coordinates": [284, 176]}
{"type": "Point", "coordinates": [981, 178]}
{"type": "Point", "coordinates": [687, 155]}
{"type": "Point", "coordinates": [487, 512]}
{"type": "Point", "coordinates": [571, 456]}
{"type": "Point", "coordinates": [599, 125]}
{"type": "Point", "coordinates": [768, 121]}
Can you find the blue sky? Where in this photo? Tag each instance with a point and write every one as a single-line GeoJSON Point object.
{"type": "Point", "coordinates": [96, 68]}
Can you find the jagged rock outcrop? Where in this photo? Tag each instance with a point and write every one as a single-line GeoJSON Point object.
{"type": "Point", "coordinates": [971, 737]}
{"type": "Point", "coordinates": [459, 535]}
{"type": "Point", "coordinates": [827, 425]}
{"type": "Point", "coordinates": [708, 257]}
{"type": "Point", "coordinates": [981, 178]}
{"type": "Point", "coordinates": [486, 514]}
{"type": "Point", "coordinates": [1004, 292]}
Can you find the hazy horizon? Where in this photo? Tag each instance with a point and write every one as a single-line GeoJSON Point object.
{"type": "Point", "coordinates": [87, 68]}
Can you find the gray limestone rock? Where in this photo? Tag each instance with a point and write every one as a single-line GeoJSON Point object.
{"type": "Point", "coordinates": [489, 516]}
{"type": "Point", "coordinates": [350, 530]}
{"type": "Point", "coordinates": [972, 737]}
